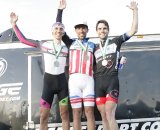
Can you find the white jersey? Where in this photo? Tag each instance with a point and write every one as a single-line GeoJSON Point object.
{"type": "Point", "coordinates": [52, 64]}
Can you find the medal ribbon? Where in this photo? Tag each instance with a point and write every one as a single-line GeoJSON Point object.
{"type": "Point", "coordinates": [82, 46]}
{"type": "Point", "coordinates": [103, 49]}
{"type": "Point", "coordinates": [57, 53]}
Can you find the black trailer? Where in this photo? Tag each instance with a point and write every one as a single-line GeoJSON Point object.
{"type": "Point", "coordinates": [21, 74]}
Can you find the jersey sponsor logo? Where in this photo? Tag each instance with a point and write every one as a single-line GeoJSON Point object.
{"type": "Point", "coordinates": [10, 92]}
{"type": "Point", "coordinates": [98, 53]}
{"type": "Point", "coordinates": [110, 49]}
{"type": "Point", "coordinates": [3, 66]}
{"type": "Point", "coordinates": [63, 101]}
{"type": "Point", "coordinates": [114, 94]}
{"type": "Point", "coordinates": [109, 64]}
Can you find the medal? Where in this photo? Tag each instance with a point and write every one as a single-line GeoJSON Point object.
{"type": "Point", "coordinates": [86, 57]}
{"type": "Point", "coordinates": [103, 51]}
{"type": "Point", "coordinates": [56, 53]}
{"type": "Point", "coordinates": [104, 62]}
{"type": "Point", "coordinates": [56, 63]}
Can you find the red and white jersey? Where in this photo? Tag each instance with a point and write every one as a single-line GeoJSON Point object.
{"type": "Point", "coordinates": [81, 61]}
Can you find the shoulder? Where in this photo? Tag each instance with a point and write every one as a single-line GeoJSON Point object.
{"type": "Point", "coordinates": [63, 44]}
{"type": "Point", "coordinates": [44, 41]}
{"type": "Point", "coordinates": [124, 37]}
{"type": "Point", "coordinates": [91, 43]}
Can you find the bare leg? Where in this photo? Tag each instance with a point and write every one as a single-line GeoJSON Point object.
{"type": "Point", "coordinates": [110, 109]}
{"type": "Point", "coordinates": [77, 112]}
{"type": "Point", "coordinates": [101, 109]}
{"type": "Point", "coordinates": [44, 114]}
{"type": "Point", "coordinates": [89, 112]}
{"type": "Point", "coordinates": [65, 117]}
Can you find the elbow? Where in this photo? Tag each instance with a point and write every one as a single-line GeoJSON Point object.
{"type": "Point", "coordinates": [136, 30]}
{"type": "Point", "coordinates": [22, 40]}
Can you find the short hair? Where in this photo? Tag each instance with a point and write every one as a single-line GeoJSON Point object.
{"type": "Point", "coordinates": [58, 24]}
{"type": "Point", "coordinates": [102, 21]}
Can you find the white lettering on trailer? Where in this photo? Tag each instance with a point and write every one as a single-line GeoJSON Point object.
{"type": "Point", "coordinates": [126, 126]}
{"type": "Point", "coordinates": [100, 127]}
{"type": "Point", "coordinates": [10, 91]}
{"type": "Point", "coordinates": [145, 126]}
{"type": "Point", "coordinates": [150, 125]}
{"type": "Point", "coordinates": [3, 66]}
{"type": "Point", "coordinates": [134, 126]}
{"type": "Point", "coordinates": [10, 98]}
{"type": "Point", "coordinates": [155, 126]}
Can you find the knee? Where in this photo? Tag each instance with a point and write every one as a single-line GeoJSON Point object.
{"type": "Point", "coordinates": [102, 112]}
{"type": "Point", "coordinates": [103, 115]}
{"type": "Point", "coordinates": [77, 112]}
{"type": "Point", "coordinates": [43, 117]}
{"type": "Point", "coordinates": [64, 115]}
{"type": "Point", "coordinates": [110, 114]}
{"type": "Point", "coordinates": [89, 112]}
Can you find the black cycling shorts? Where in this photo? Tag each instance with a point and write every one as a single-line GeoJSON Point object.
{"type": "Point", "coordinates": [54, 84]}
{"type": "Point", "coordinates": [107, 84]}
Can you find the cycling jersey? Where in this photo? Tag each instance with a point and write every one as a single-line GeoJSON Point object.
{"type": "Point", "coordinates": [112, 51]}
{"type": "Point", "coordinates": [79, 60]}
{"type": "Point", "coordinates": [53, 64]}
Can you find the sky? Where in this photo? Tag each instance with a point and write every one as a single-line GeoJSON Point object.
{"type": "Point", "coordinates": [35, 17]}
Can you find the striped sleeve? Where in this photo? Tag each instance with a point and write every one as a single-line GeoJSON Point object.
{"type": "Point", "coordinates": [24, 40]}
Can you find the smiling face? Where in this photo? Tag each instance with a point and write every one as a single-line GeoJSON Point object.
{"type": "Point", "coordinates": [81, 32]}
{"type": "Point", "coordinates": [102, 29]}
{"type": "Point", "coordinates": [57, 31]}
